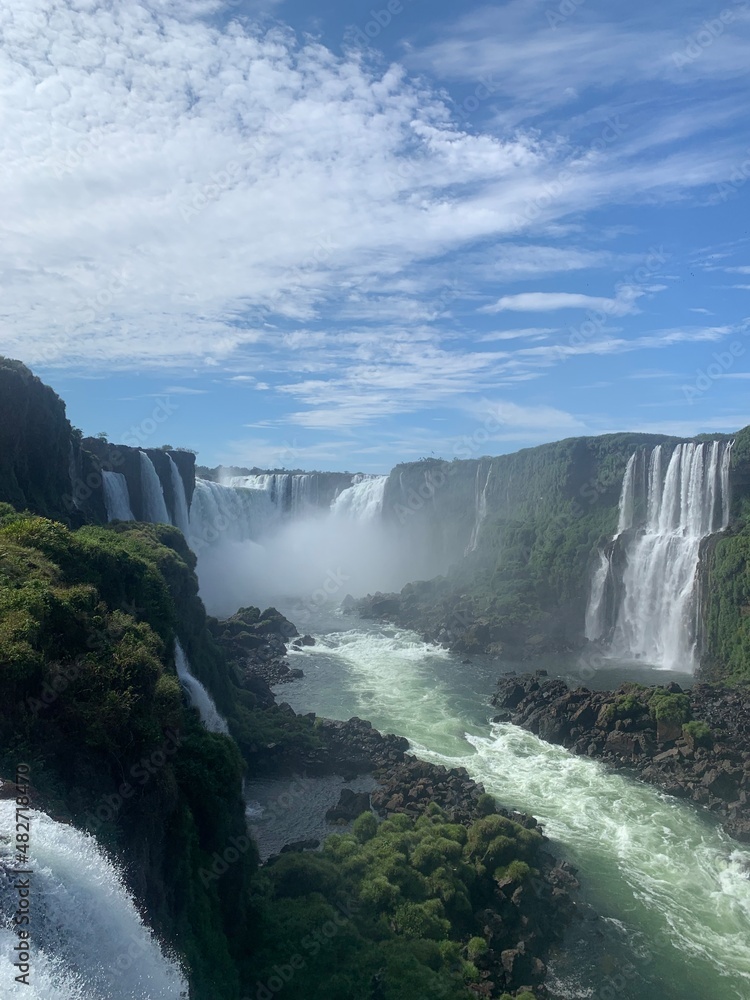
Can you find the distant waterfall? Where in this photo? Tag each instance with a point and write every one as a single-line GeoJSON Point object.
{"type": "Point", "coordinates": [88, 940]}
{"type": "Point", "coordinates": [181, 516]}
{"type": "Point", "coordinates": [363, 501]}
{"type": "Point", "coordinates": [154, 505]}
{"type": "Point", "coordinates": [670, 502]}
{"type": "Point", "coordinates": [229, 513]}
{"type": "Point", "coordinates": [211, 718]}
{"type": "Point", "coordinates": [291, 493]}
{"type": "Point", "coordinates": [117, 497]}
{"type": "Point", "coordinates": [481, 508]}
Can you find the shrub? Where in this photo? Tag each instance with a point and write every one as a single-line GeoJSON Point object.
{"type": "Point", "coordinates": [699, 732]}
{"type": "Point", "coordinates": [477, 946]}
{"type": "Point", "coordinates": [486, 805]}
{"type": "Point", "coordinates": [667, 707]}
{"type": "Point", "coordinates": [365, 827]}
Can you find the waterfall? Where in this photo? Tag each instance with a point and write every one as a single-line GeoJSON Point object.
{"type": "Point", "coordinates": [116, 497]}
{"type": "Point", "coordinates": [481, 508]}
{"type": "Point", "coordinates": [154, 506]}
{"type": "Point", "coordinates": [669, 504]}
{"type": "Point", "coordinates": [211, 718]}
{"type": "Point", "coordinates": [362, 501]}
{"type": "Point", "coordinates": [595, 617]}
{"type": "Point", "coordinates": [87, 939]}
{"type": "Point", "coordinates": [229, 513]}
{"type": "Point", "coordinates": [291, 493]}
{"type": "Point", "coordinates": [627, 498]}
{"type": "Point", "coordinates": [181, 517]}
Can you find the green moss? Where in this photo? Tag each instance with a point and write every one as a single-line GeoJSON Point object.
{"type": "Point", "coordinates": [90, 698]}
{"type": "Point", "coordinates": [399, 906]}
{"type": "Point", "coordinates": [667, 707]}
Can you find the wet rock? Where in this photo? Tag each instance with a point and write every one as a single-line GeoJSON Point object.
{"type": "Point", "coordinates": [350, 805]}
{"type": "Point", "coordinates": [299, 846]}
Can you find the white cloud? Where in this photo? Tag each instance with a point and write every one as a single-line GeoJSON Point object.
{"type": "Point", "coordinates": [552, 301]}
{"type": "Point", "coordinates": [183, 390]}
{"type": "Point", "coordinates": [524, 333]}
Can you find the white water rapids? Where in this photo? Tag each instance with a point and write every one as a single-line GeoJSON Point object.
{"type": "Point", "coordinates": [87, 939]}
{"type": "Point", "coordinates": [654, 866]}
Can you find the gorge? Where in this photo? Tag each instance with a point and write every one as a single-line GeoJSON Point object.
{"type": "Point", "coordinates": [600, 559]}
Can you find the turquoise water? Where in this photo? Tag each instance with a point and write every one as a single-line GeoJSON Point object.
{"type": "Point", "coordinates": [671, 887]}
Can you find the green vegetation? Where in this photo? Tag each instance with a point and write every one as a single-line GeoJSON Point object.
{"type": "Point", "coordinates": [90, 700]}
{"type": "Point", "coordinates": [625, 706]}
{"type": "Point", "coordinates": [726, 581]}
{"type": "Point", "coordinates": [699, 732]}
{"type": "Point", "coordinates": [667, 707]}
{"type": "Point", "coordinates": [549, 509]}
{"type": "Point", "coordinates": [389, 909]}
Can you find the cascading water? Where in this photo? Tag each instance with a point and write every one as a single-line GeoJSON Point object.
{"type": "Point", "coordinates": [669, 504]}
{"type": "Point", "coordinates": [595, 612]}
{"type": "Point", "coordinates": [154, 505]}
{"type": "Point", "coordinates": [671, 884]}
{"type": "Point", "coordinates": [229, 513]}
{"type": "Point", "coordinates": [87, 940]}
{"type": "Point", "coordinates": [363, 501]}
{"type": "Point", "coordinates": [292, 493]}
{"type": "Point", "coordinates": [481, 508]}
{"type": "Point", "coordinates": [117, 497]}
{"type": "Point", "coordinates": [211, 718]}
{"type": "Point", "coordinates": [181, 516]}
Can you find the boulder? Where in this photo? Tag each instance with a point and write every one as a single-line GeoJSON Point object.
{"type": "Point", "coordinates": [351, 804]}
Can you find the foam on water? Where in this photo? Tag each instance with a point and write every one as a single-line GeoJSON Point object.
{"type": "Point", "coordinates": [88, 940]}
{"type": "Point", "coordinates": [659, 866]}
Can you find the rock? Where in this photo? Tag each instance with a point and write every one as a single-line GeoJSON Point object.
{"type": "Point", "coordinates": [621, 743]}
{"type": "Point", "coordinates": [668, 732]}
{"type": "Point", "coordinates": [307, 640]}
{"type": "Point", "coordinates": [300, 845]}
{"type": "Point", "coordinates": [721, 783]}
{"type": "Point", "coordinates": [351, 804]}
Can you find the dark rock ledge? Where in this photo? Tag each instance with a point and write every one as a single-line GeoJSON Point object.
{"type": "Point", "coordinates": [708, 764]}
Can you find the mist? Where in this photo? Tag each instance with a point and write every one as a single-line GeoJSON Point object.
{"type": "Point", "coordinates": [316, 559]}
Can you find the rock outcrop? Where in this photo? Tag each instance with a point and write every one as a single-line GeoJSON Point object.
{"type": "Point", "coordinates": [693, 744]}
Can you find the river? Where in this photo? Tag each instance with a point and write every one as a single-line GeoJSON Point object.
{"type": "Point", "coordinates": [672, 890]}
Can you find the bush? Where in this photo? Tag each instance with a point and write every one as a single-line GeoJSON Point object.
{"type": "Point", "coordinates": [699, 732]}
{"type": "Point", "coordinates": [365, 827]}
{"type": "Point", "coordinates": [625, 706]}
{"type": "Point", "coordinates": [486, 805]}
{"type": "Point", "coordinates": [477, 946]}
{"type": "Point", "coordinates": [667, 707]}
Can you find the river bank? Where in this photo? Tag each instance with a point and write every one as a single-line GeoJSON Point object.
{"type": "Point", "coordinates": [690, 743]}
{"type": "Point", "coordinates": [527, 910]}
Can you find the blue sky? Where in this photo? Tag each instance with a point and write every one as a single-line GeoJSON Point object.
{"type": "Point", "coordinates": [358, 235]}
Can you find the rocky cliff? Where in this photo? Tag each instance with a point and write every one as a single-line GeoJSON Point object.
{"type": "Point", "coordinates": [43, 464]}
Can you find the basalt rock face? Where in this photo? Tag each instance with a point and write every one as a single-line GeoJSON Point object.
{"type": "Point", "coordinates": [255, 641]}
{"type": "Point", "coordinates": [510, 542]}
{"type": "Point", "coordinates": [724, 580]}
{"type": "Point", "coordinates": [468, 624]}
{"type": "Point", "coordinates": [126, 461]}
{"type": "Point", "coordinates": [710, 765]}
{"type": "Point", "coordinates": [42, 461]}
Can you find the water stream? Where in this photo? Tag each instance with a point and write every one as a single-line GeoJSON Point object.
{"type": "Point", "coordinates": [672, 888]}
